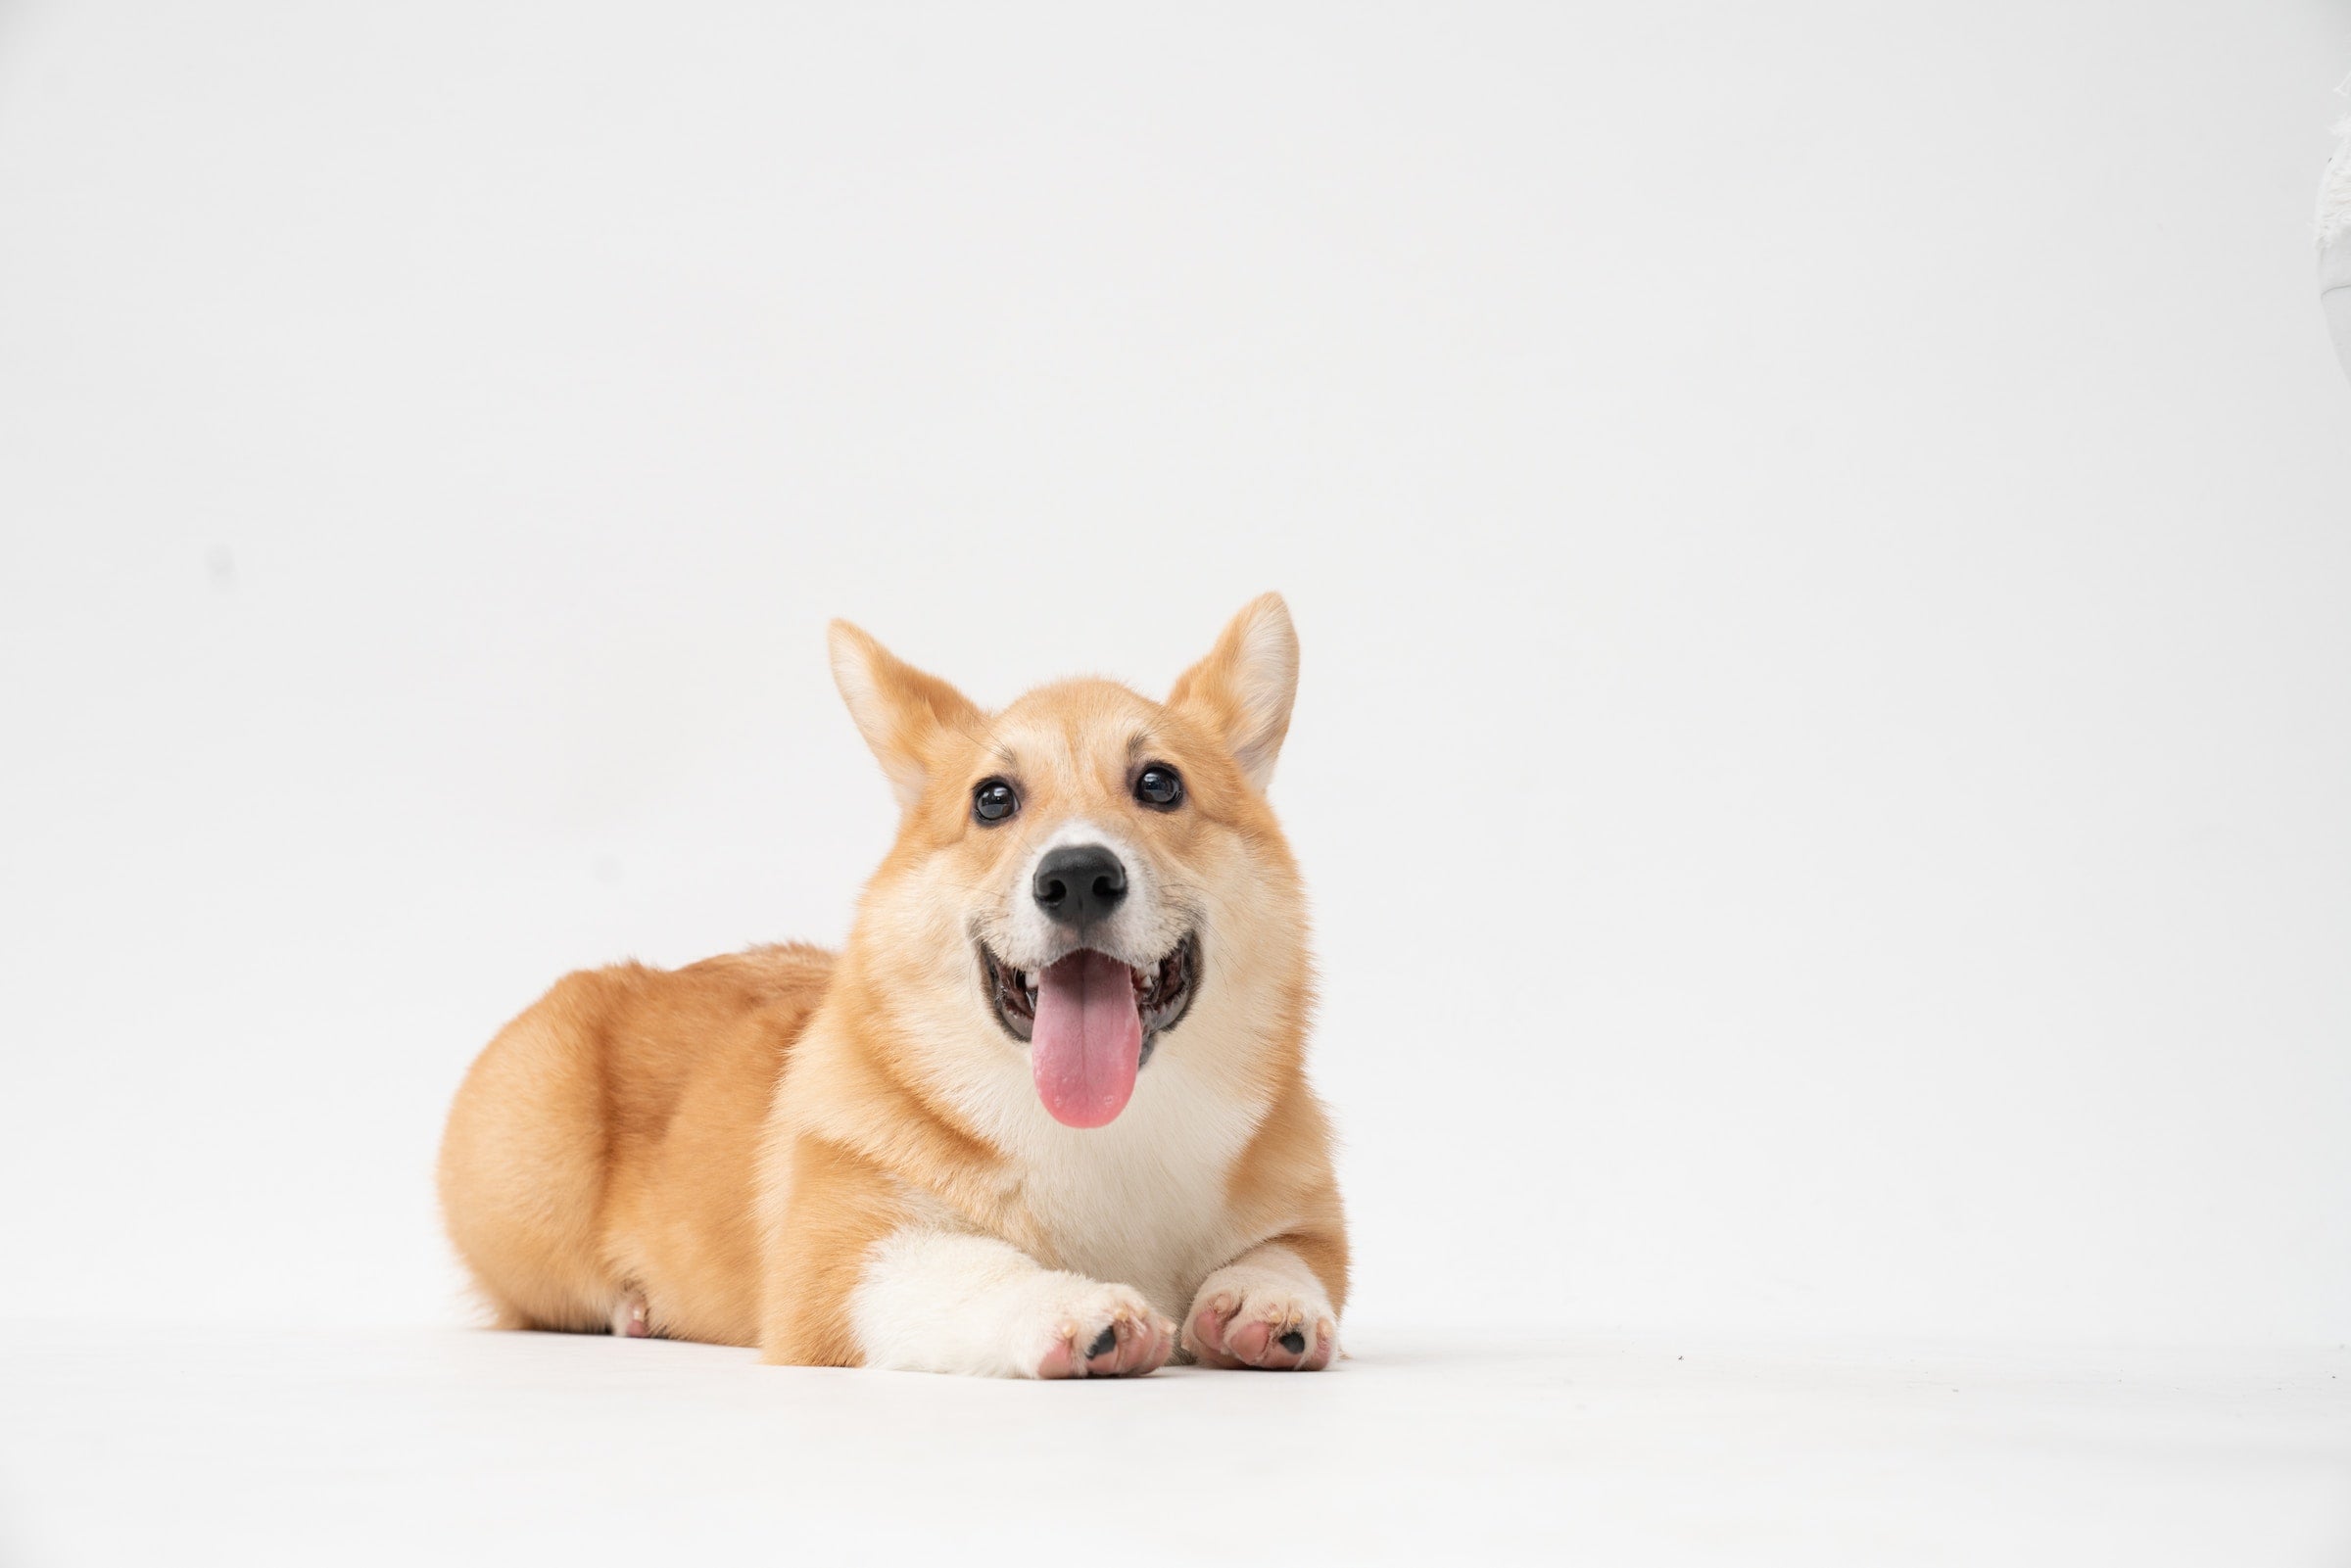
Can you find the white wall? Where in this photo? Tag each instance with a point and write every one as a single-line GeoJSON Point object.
{"type": "Point", "coordinates": [1821, 534]}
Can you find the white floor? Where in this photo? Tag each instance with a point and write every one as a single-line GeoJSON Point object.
{"type": "Point", "coordinates": [446, 1446]}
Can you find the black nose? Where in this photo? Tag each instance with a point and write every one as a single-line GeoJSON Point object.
{"type": "Point", "coordinates": [1078, 885]}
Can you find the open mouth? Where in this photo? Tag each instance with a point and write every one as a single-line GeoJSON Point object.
{"type": "Point", "coordinates": [1091, 1021]}
{"type": "Point", "coordinates": [1162, 992]}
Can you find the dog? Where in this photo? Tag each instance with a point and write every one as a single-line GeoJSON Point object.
{"type": "Point", "coordinates": [1046, 1105]}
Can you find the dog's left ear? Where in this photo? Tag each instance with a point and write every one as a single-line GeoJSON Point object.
{"type": "Point", "coordinates": [1243, 689]}
{"type": "Point", "coordinates": [904, 713]}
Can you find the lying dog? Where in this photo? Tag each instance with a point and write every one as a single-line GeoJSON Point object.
{"type": "Point", "coordinates": [1047, 1104]}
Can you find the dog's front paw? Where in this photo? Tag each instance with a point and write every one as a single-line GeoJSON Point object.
{"type": "Point", "coordinates": [1106, 1331]}
{"type": "Point", "coordinates": [1245, 1318]}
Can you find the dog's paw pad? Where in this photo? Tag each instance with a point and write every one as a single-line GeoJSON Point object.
{"type": "Point", "coordinates": [1272, 1328]}
{"type": "Point", "coordinates": [1112, 1332]}
{"type": "Point", "coordinates": [630, 1319]}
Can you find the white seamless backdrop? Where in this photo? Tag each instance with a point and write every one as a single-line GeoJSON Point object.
{"type": "Point", "coordinates": [1820, 534]}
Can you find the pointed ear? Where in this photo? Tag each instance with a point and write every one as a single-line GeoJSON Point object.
{"type": "Point", "coordinates": [1243, 689]}
{"type": "Point", "coordinates": [902, 713]}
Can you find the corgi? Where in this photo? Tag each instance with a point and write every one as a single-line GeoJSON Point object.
{"type": "Point", "coordinates": [1044, 1116]}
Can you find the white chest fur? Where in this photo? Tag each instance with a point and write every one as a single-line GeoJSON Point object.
{"type": "Point", "coordinates": [1142, 1201]}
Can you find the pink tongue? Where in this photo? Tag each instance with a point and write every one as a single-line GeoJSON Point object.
{"type": "Point", "coordinates": [1087, 1040]}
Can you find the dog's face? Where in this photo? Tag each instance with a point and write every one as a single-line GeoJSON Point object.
{"type": "Point", "coordinates": [1078, 875]}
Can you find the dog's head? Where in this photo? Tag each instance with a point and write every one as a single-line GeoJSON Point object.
{"type": "Point", "coordinates": [1086, 873]}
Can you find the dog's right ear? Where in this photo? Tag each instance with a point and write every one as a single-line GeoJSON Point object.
{"type": "Point", "coordinates": [904, 713]}
{"type": "Point", "coordinates": [1245, 686]}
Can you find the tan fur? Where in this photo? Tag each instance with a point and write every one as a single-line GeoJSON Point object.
{"type": "Point", "coordinates": [731, 1140]}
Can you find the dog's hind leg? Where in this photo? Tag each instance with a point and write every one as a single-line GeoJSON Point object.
{"type": "Point", "coordinates": [525, 1165]}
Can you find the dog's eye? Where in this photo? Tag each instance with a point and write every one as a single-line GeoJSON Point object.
{"type": "Point", "coordinates": [994, 801]}
{"type": "Point", "coordinates": [1158, 786]}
